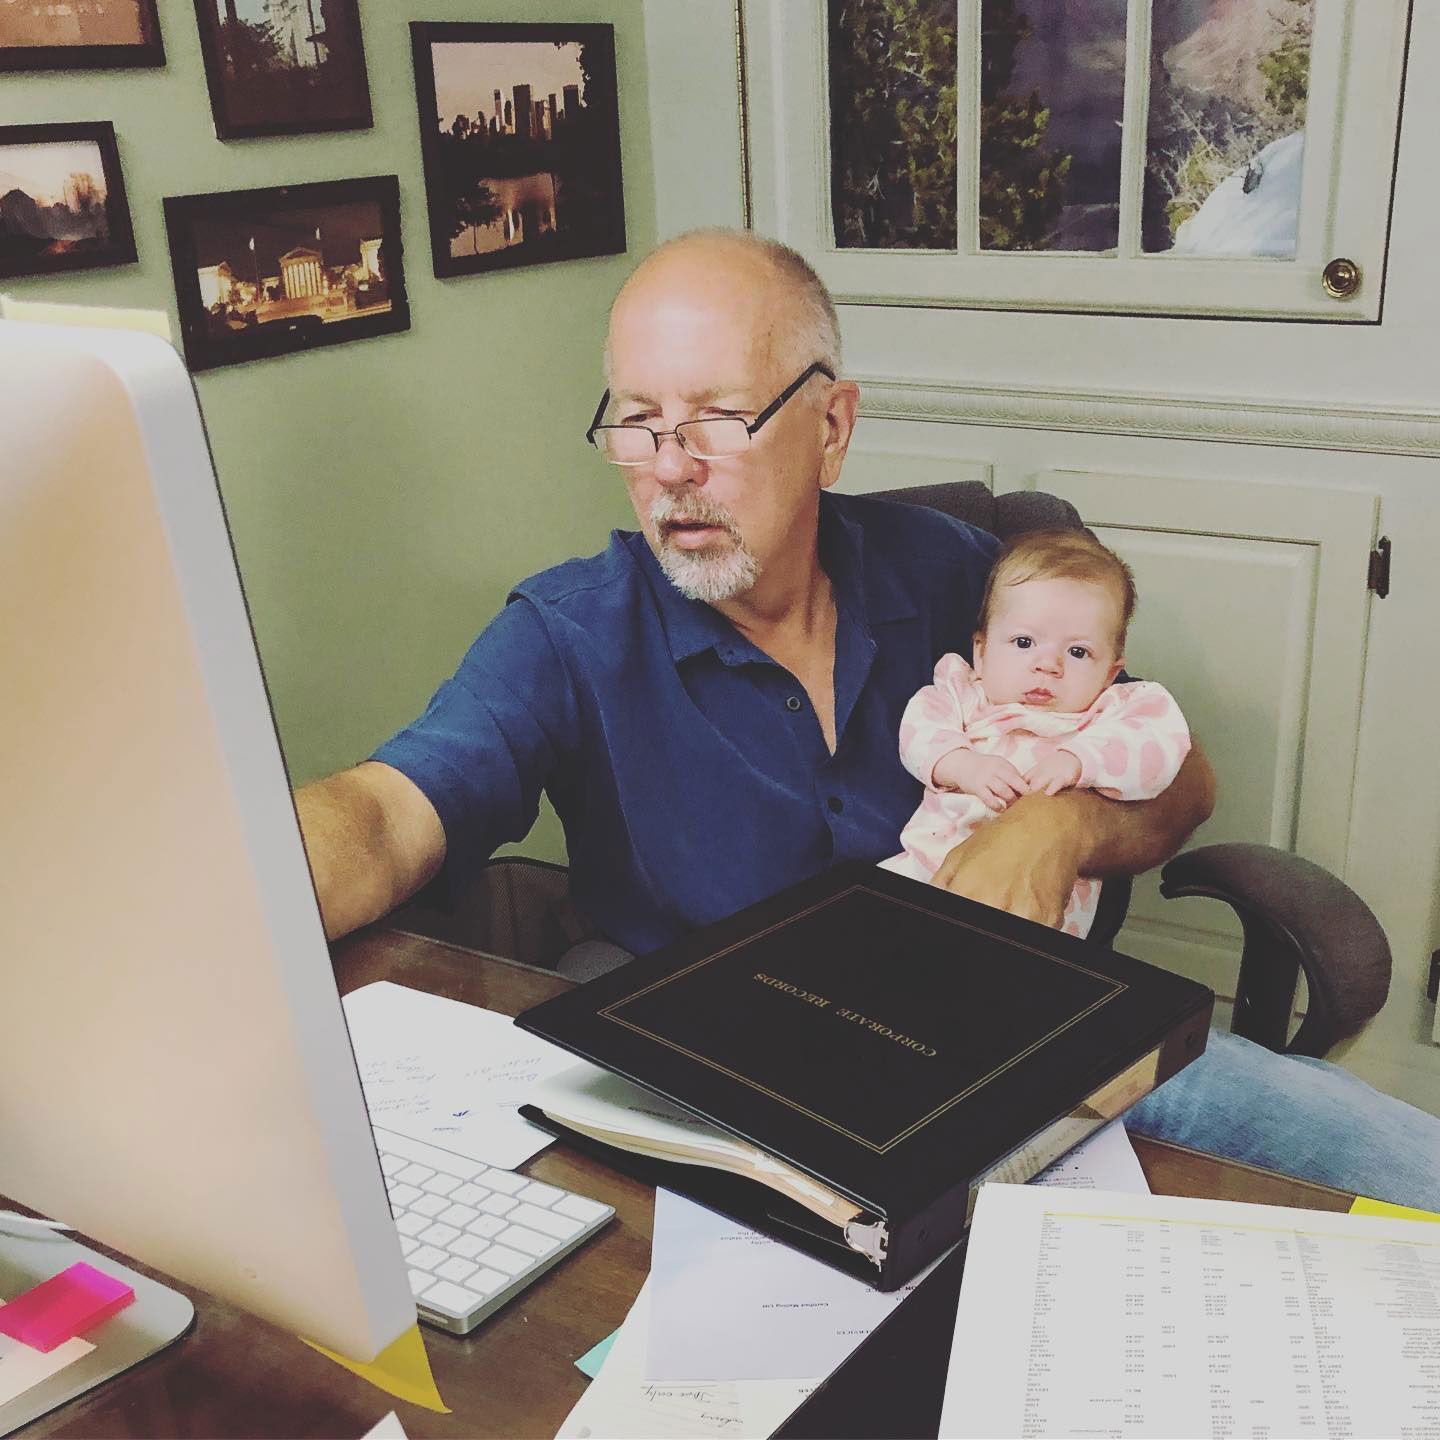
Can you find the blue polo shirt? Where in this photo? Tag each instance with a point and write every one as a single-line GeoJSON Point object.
{"type": "Point", "coordinates": [687, 767]}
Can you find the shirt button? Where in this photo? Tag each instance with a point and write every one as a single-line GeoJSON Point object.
{"type": "Point", "coordinates": [836, 804]}
{"type": "Point", "coordinates": [793, 703]}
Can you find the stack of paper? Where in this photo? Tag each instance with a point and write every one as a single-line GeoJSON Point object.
{"type": "Point", "coordinates": [729, 1318]}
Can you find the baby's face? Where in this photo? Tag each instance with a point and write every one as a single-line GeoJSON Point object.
{"type": "Point", "coordinates": [1050, 643]}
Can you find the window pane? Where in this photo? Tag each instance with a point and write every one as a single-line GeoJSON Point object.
{"type": "Point", "coordinates": [892, 123]}
{"type": "Point", "coordinates": [1052, 95]}
{"type": "Point", "coordinates": [1226, 138]}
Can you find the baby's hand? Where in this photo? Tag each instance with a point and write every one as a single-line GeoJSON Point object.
{"type": "Point", "coordinates": [988, 777]}
{"type": "Point", "coordinates": [1059, 770]}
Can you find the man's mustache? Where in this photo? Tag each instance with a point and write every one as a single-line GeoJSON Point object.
{"type": "Point", "coordinates": [668, 509]}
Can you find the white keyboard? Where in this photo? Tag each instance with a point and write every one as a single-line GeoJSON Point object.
{"type": "Point", "coordinates": [474, 1237]}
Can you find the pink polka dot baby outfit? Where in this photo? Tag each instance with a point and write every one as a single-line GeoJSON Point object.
{"type": "Point", "coordinates": [1129, 743]}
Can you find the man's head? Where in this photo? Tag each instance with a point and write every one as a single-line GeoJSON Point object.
{"type": "Point", "coordinates": [718, 324]}
{"type": "Point", "coordinates": [1053, 620]}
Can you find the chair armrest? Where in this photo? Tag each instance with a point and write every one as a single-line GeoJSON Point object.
{"type": "Point", "coordinates": [1296, 916]}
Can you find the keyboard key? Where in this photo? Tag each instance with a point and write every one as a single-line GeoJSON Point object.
{"type": "Point", "coordinates": [420, 1282]}
{"type": "Point", "coordinates": [486, 1225]}
{"type": "Point", "coordinates": [497, 1204]}
{"type": "Point", "coordinates": [390, 1142]}
{"type": "Point", "coordinates": [468, 1246]}
{"type": "Point", "coordinates": [538, 1194]}
{"type": "Point", "coordinates": [412, 1224]}
{"type": "Point", "coordinates": [562, 1227]}
{"type": "Point", "coordinates": [404, 1194]}
{"type": "Point", "coordinates": [445, 1296]}
{"type": "Point", "coordinates": [577, 1207]}
{"type": "Point", "coordinates": [505, 1181]}
{"type": "Point", "coordinates": [439, 1234]}
{"type": "Point", "coordinates": [408, 1246]}
{"type": "Point", "coordinates": [512, 1262]}
{"type": "Point", "coordinates": [457, 1215]}
{"type": "Point", "coordinates": [430, 1205]}
{"type": "Point", "coordinates": [427, 1257]}
{"type": "Point", "coordinates": [391, 1163]}
{"type": "Point", "coordinates": [456, 1269]}
{"type": "Point", "coordinates": [468, 1194]}
{"type": "Point", "coordinates": [442, 1184]}
{"type": "Point", "coordinates": [487, 1280]}
{"type": "Point", "coordinates": [413, 1173]}
{"type": "Point", "coordinates": [527, 1240]}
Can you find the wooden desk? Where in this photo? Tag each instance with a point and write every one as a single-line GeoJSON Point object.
{"type": "Point", "coordinates": [235, 1375]}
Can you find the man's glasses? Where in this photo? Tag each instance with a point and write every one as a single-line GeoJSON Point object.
{"type": "Point", "coordinates": [715, 439]}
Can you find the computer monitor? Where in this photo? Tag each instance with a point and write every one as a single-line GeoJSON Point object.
{"type": "Point", "coordinates": [176, 1078]}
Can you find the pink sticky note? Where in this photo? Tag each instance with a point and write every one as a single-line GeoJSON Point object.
{"type": "Point", "coordinates": [65, 1305]}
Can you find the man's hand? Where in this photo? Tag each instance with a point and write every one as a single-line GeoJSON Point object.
{"type": "Point", "coordinates": [988, 777]}
{"type": "Point", "coordinates": [1058, 771]}
{"type": "Point", "coordinates": [1025, 861]}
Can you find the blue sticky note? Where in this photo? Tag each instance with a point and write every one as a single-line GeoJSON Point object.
{"type": "Point", "coordinates": [591, 1361]}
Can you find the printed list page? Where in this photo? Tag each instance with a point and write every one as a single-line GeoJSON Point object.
{"type": "Point", "coordinates": [1100, 1314]}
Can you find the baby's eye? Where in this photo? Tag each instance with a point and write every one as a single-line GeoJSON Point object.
{"type": "Point", "coordinates": [1079, 652]}
{"type": "Point", "coordinates": [1023, 642]}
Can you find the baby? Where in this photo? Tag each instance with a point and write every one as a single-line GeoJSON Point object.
{"type": "Point", "coordinates": [1037, 711]}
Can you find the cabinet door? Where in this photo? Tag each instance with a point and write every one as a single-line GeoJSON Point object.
{"type": "Point", "coordinates": [1253, 611]}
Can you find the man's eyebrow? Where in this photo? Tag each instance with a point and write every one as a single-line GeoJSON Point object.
{"type": "Point", "coordinates": [697, 398]}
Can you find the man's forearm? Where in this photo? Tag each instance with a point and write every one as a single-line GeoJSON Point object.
{"type": "Point", "coordinates": [372, 840]}
{"type": "Point", "coordinates": [1124, 837]}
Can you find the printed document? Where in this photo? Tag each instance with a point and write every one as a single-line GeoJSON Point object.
{"type": "Point", "coordinates": [1092, 1313]}
{"type": "Point", "coordinates": [448, 1073]}
{"type": "Point", "coordinates": [620, 1401]}
{"type": "Point", "coordinates": [729, 1301]}
{"type": "Point", "coordinates": [1106, 1161]}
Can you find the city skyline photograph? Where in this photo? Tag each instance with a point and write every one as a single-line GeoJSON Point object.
{"type": "Point", "coordinates": [519, 133]}
{"type": "Point", "coordinates": [62, 204]}
{"type": "Point", "coordinates": [283, 67]}
{"type": "Point", "coordinates": [261, 273]}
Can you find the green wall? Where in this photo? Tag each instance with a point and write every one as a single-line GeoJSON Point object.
{"type": "Point", "coordinates": [383, 494]}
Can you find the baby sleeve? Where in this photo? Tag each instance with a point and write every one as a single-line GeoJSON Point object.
{"type": "Point", "coordinates": [935, 720]}
{"type": "Point", "coordinates": [1133, 745]}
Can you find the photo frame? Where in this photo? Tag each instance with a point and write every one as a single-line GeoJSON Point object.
{"type": "Point", "coordinates": [62, 200]}
{"type": "Point", "coordinates": [520, 139]}
{"type": "Point", "coordinates": [116, 35]}
{"type": "Point", "coordinates": [284, 67]}
{"type": "Point", "coordinates": [294, 267]}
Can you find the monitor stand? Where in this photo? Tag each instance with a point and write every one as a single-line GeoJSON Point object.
{"type": "Point", "coordinates": [157, 1316]}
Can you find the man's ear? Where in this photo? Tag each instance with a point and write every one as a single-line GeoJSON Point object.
{"type": "Point", "coordinates": [842, 406]}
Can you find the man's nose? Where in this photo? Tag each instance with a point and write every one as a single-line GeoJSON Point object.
{"type": "Point", "coordinates": [675, 465]}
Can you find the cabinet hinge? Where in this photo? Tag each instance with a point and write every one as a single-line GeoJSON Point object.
{"type": "Point", "coordinates": [1432, 988]}
{"type": "Point", "coordinates": [1379, 579]}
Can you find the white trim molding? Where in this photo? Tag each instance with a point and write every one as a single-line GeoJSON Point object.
{"type": "Point", "coordinates": [1374, 429]}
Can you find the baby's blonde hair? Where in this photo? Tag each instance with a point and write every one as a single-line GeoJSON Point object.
{"type": "Point", "coordinates": [1061, 555]}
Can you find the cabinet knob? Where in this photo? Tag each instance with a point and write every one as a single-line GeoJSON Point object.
{"type": "Point", "coordinates": [1341, 279]}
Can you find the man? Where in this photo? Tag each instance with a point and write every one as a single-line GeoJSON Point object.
{"type": "Point", "coordinates": [713, 704]}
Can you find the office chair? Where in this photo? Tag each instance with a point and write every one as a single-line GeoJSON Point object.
{"type": "Point", "coordinates": [1295, 916]}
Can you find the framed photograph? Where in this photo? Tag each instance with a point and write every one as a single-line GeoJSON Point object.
{"type": "Point", "coordinates": [62, 199]}
{"type": "Point", "coordinates": [520, 135]}
{"type": "Point", "coordinates": [269, 272]}
{"type": "Point", "coordinates": [79, 35]}
{"type": "Point", "coordinates": [283, 67]}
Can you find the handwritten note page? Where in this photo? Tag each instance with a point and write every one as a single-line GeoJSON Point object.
{"type": "Point", "coordinates": [620, 1401]}
{"type": "Point", "coordinates": [1109, 1314]}
{"type": "Point", "coordinates": [730, 1301]}
{"type": "Point", "coordinates": [448, 1073]}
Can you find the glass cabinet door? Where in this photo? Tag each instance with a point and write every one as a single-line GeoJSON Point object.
{"type": "Point", "coordinates": [1221, 157]}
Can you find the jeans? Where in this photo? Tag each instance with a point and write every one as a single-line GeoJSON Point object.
{"type": "Point", "coordinates": [1300, 1116]}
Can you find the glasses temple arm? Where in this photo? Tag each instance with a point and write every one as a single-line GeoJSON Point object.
{"type": "Point", "coordinates": [599, 414]}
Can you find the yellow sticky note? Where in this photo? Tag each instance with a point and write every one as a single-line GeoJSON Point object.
{"type": "Point", "coordinates": [1365, 1206]}
{"type": "Point", "coordinates": [402, 1369]}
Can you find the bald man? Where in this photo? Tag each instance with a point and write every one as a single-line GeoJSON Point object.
{"type": "Point", "coordinates": [712, 702]}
